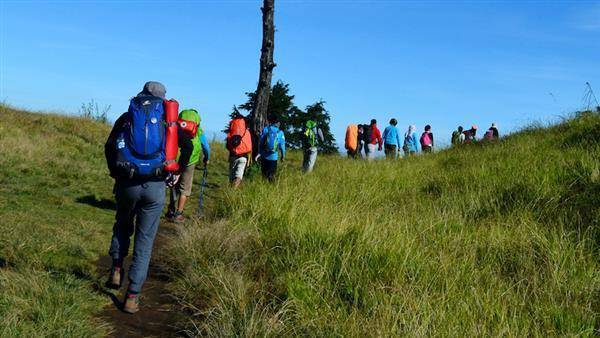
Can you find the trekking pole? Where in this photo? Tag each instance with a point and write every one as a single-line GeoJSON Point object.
{"type": "Point", "coordinates": [202, 186]}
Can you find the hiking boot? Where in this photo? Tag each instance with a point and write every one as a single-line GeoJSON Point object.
{"type": "Point", "coordinates": [131, 304]}
{"type": "Point", "coordinates": [178, 217]}
{"type": "Point", "coordinates": [115, 279]}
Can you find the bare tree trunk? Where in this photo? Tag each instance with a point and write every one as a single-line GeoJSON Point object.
{"type": "Point", "coordinates": [259, 114]}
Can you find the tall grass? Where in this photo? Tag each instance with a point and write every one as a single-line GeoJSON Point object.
{"type": "Point", "coordinates": [496, 239]}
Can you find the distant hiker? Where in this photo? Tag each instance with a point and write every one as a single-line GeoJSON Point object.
{"type": "Point", "coordinates": [411, 142]}
{"type": "Point", "coordinates": [426, 140]}
{"type": "Point", "coordinates": [191, 140]}
{"type": "Point", "coordinates": [312, 137]}
{"type": "Point", "coordinates": [239, 144]}
{"type": "Point", "coordinates": [492, 133]}
{"type": "Point", "coordinates": [272, 141]}
{"type": "Point", "coordinates": [352, 140]}
{"type": "Point", "coordinates": [458, 137]}
{"type": "Point", "coordinates": [471, 134]}
{"type": "Point", "coordinates": [361, 140]}
{"type": "Point", "coordinates": [135, 154]}
{"type": "Point", "coordinates": [391, 140]}
{"type": "Point", "coordinates": [373, 140]}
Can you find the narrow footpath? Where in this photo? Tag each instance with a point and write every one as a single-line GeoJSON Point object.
{"type": "Point", "coordinates": [158, 315]}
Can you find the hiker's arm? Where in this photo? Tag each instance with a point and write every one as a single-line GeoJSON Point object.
{"type": "Point", "coordinates": [416, 142]}
{"type": "Point", "coordinates": [321, 136]}
{"type": "Point", "coordinates": [398, 140]}
{"type": "Point", "coordinates": [432, 143]}
{"type": "Point", "coordinates": [110, 147]}
{"type": "Point", "coordinates": [186, 147]}
{"type": "Point", "coordinates": [205, 148]}
{"type": "Point", "coordinates": [282, 145]}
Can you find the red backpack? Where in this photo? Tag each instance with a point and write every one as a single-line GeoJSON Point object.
{"type": "Point", "coordinates": [239, 140]}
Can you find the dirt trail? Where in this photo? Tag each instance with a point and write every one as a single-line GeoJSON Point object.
{"type": "Point", "coordinates": [158, 314]}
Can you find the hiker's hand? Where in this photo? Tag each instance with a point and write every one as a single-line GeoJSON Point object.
{"type": "Point", "coordinates": [171, 180]}
{"type": "Point", "coordinates": [206, 162]}
{"type": "Point", "coordinates": [380, 148]}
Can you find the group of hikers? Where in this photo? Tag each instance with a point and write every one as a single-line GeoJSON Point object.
{"type": "Point", "coordinates": [367, 139]}
{"type": "Point", "coordinates": [152, 147]}
{"type": "Point", "coordinates": [271, 144]}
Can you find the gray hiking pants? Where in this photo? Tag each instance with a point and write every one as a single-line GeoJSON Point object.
{"type": "Point", "coordinates": [144, 202]}
{"type": "Point", "coordinates": [310, 158]}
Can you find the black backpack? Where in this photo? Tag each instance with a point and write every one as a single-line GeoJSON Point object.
{"type": "Point", "coordinates": [367, 131]}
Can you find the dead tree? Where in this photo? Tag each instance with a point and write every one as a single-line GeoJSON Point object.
{"type": "Point", "coordinates": [263, 90]}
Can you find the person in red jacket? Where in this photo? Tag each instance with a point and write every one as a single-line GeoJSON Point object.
{"type": "Point", "coordinates": [376, 141]}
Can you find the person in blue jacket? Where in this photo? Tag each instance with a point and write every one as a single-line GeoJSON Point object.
{"type": "Point", "coordinates": [272, 141]}
{"type": "Point", "coordinates": [391, 140]}
{"type": "Point", "coordinates": [411, 141]}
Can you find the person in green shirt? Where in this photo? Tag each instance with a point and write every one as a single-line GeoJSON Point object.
{"type": "Point", "coordinates": [189, 155]}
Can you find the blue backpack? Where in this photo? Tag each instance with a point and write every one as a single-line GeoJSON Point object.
{"type": "Point", "coordinates": [271, 140]}
{"type": "Point", "coordinates": [141, 143]}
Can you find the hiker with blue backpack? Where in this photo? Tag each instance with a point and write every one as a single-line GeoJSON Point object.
{"type": "Point", "coordinates": [192, 141]}
{"type": "Point", "coordinates": [272, 141]}
{"type": "Point", "coordinates": [137, 159]}
{"type": "Point", "coordinates": [411, 142]}
{"type": "Point", "coordinates": [312, 137]}
{"type": "Point", "coordinates": [391, 140]}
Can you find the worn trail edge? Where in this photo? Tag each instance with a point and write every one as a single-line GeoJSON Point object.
{"type": "Point", "coordinates": [158, 315]}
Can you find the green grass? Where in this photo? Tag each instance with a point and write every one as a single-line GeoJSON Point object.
{"type": "Point", "coordinates": [501, 239]}
{"type": "Point", "coordinates": [49, 239]}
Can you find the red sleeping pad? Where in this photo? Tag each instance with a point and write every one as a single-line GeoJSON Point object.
{"type": "Point", "coordinates": [171, 146]}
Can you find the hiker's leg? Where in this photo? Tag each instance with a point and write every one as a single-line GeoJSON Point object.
{"type": "Point", "coordinates": [264, 167]}
{"type": "Point", "coordinates": [185, 186]}
{"type": "Point", "coordinates": [273, 171]}
{"type": "Point", "coordinates": [148, 217]}
{"type": "Point", "coordinates": [371, 151]}
{"type": "Point", "coordinates": [306, 159]}
{"type": "Point", "coordinates": [312, 159]}
{"type": "Point", "coordinates": [236, 170]}
{"type": "Point", "coordinates": [127, 198]}
{"type": "Point", "coordinates": [269, 169]}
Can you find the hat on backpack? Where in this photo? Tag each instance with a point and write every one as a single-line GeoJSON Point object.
{"type": "Point", "coordinates": [474, 126]}
{"type": "Point", "coordinates": [494, 125]}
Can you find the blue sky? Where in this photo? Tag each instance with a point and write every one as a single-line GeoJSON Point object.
{"type": "Point", "coordinates": [438, 62]}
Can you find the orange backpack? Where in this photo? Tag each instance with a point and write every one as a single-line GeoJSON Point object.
{"type": "Point", "coordinates": [352, 137]}
{"type": "Point", "coordinates": [239, 140]}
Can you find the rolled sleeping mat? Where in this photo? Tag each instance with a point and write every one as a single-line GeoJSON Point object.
{"type": "Point", "coordinates": [171, 145]}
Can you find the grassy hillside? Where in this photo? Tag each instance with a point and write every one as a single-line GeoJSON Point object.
{"type": "Point", "coordinates": [501, 239]}
{"type": "Point", "coordinates": [55, 200]}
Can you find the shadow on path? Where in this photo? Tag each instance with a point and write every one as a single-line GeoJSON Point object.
{"type": "Point", "coordinates": [97, 203]}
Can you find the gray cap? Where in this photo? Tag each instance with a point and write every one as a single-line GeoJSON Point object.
{"type": "Point", "coordinates": [154, 88]}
